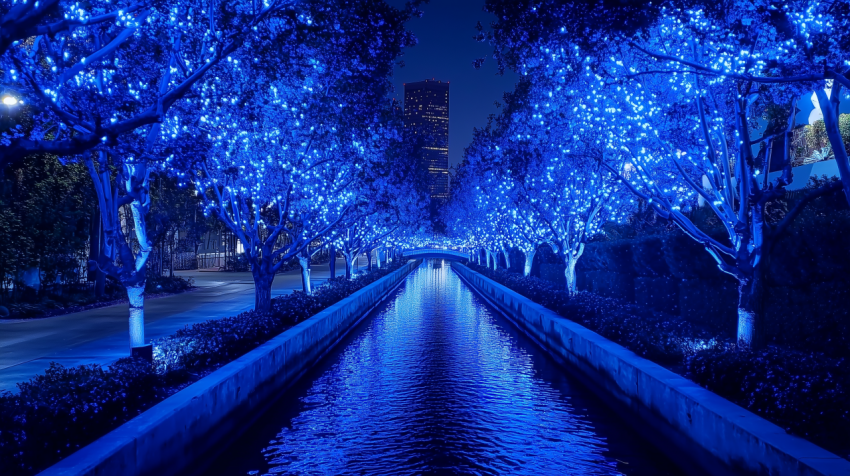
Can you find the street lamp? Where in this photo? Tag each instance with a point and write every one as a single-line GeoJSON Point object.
{"type": "Point", "coordinates": [10, 100]}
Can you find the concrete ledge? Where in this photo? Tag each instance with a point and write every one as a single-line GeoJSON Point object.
{"type": "Point", "coordinates": [739, 441]}
{"type": "Point", "coordinates": [169, 436]}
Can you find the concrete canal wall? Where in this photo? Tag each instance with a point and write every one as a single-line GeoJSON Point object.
{"type": "Point", "coordinates": [718, 436]}
{"type": "Point", "coordinates": [182, 428]}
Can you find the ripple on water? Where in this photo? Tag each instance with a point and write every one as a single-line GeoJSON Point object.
{"type": "Point", "coordinates": [437, 384]}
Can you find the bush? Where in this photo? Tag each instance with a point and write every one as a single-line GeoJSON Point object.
{"type": "Point", "coordinates": [238, 263]}
{"type": "Point", "coordinates": [168, 284]}
{"type": "Point", "coordinates": [57, 299]}
{"type": "Point", "coordinates": [805, 393]}
{"type": "Point", "coordinates": [56, 413]}
{"type": "Point", "coordinates": [66, 408]}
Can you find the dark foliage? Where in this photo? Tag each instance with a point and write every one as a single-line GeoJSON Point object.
{"type": "Point", "coordinates": [45, 213]}
{"type": "Point", "coordinates": [66, 408]}
{"type": "Point", "coordinates": [168, 284]}
{"type": "Point", "coordinates": [63, 299]}
{"type": "Point", "coordinates": [63, 409]}
{"type": "Point", "coordinates": [804, 392]}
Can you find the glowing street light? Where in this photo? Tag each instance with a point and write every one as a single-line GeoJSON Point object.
{"type": "Point", "coordinates": [10, 100]}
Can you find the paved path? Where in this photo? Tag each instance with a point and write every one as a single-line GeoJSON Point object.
{"type": "Point", "coordinates": [101, 335]}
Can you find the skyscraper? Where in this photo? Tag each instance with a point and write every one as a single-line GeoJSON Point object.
{"type": "Point", "coordinates": [426, 112]}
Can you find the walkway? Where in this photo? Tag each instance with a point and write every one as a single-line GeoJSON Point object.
{"type": "Point", "coordinates": [101, 335]}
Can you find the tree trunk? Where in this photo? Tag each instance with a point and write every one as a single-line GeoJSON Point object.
{"type": "Point", "coordinates": [570, 274]}
{"type": "Point", "coordinates": [171, 258]}
{"type": "Point", "coordinates": [829, 106]}
{"type": "Point", "coordinates": [349, 264]}
{"type": "Point", "coordinates": [529, 260]}
{"type": "Point", "coordinates": [570, 259]}
{"type": "Point", "coordinates": [332, 260]}
{"type": "Point", "coordinates": [262, 288]}
{"type": "Point", "coordinates": [136, 296]}
{"type": "Point", "coordinates": [99, 284]}
{"type": "Point", "coordinates": [378, 257]}
{"type": "Point", "coordinates": [304, 262]}
{"type": "Point", "coordinates": [139, 275]}
{"type": "Point", "coordinates": [369, 259]}
{"type": "Point", "coordinates": [95, 253]}
{"type": "Point", "coordinates": [750, 313]}
{"type": "Point", "coordinates": [492, 258]}
{"type": "Point", "coordinates": [507, 259]}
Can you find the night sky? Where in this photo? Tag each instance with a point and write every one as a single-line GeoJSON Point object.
{"type": "Point", "coordinates": [445, 52]}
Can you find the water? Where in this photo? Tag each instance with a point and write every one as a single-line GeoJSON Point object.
{"type": "Point", "coordinates": [435, 382]}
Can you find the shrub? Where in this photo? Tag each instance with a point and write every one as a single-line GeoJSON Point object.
{"type": "Point", "coordinates": [806, 393]}
{"type": "Point", "coordinates": [168, 284]}
{"type": "Point", "coordinates": [63, 409]}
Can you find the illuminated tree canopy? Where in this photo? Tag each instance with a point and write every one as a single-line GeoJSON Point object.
{"type": "Point", "coordinates": [663, 105]}
{"type": "Point", "coordinates": [273, 111]}
{"type": "Point", "coordinates": [277, 114]}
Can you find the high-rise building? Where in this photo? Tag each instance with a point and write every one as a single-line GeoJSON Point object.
{"type": "Point", "coordinates": [426, 112]}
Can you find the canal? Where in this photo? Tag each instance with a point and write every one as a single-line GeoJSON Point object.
{"type": "Point", "coordinates": [436, 382]}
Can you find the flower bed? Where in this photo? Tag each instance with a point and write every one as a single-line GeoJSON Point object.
{"type": "Point", "coordinates": [804, 392]}
{"type": "Point", "coordinates": [66, 408]}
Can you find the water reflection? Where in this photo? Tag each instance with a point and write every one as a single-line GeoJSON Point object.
{"type": "Point", "coordinates": [435, 383]}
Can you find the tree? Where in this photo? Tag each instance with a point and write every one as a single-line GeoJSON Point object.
{"type": "Point", "coordinates": [565, 186]}
{"type": "Point", "coordinates": [504, 158]}
{"type": "Point", "coordinates": [92, 74]}
{"type": "Point", "coordinates": [289, 145]}
{"type": "Point", "coordinates": [680, 91]}
{"type": "Point", "coordinates": [775, 54]}
{"type": "Point", "coordinates": [392, 194]}
{"type": "Point", "coordinates": [536, 173]}
{"type": "Point", "coordinates": [696, 121]}
{"type": "Point", "coordinates": [175, 210]}
{"type": "Point", "coordinates": [88, 84]}
{"type": "Point", "coordinates": [279, 163]}
{"type": "Point", "coordinates": [45, 210]}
